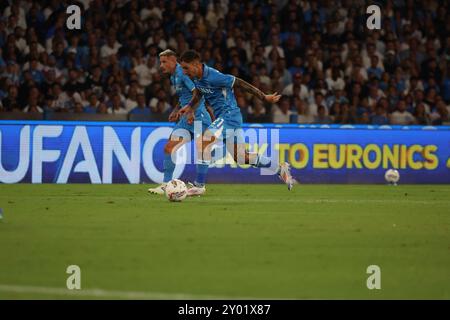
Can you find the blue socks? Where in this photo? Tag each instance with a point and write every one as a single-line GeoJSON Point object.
{"type": "Point", "coordinates": [202, 170]}
{"type": "Point", "coordinates": [169, 167]}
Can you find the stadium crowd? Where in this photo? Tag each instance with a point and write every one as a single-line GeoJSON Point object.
{"type": "Point", "coordinates": [329, 67]}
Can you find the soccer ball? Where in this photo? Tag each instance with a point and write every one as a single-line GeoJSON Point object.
{"type": "Point", "coordinates": [392, 176]}
{"type": "Point", "coordinates": [176, 190]}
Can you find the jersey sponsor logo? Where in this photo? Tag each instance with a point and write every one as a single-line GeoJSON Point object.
{"type": "Point", "coordinates": [205, 90]}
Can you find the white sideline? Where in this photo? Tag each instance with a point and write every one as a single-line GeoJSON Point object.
{"type": "Point", "coordinates": [314, 201]}
{"type": "Point", "coordinates": [100, 293]}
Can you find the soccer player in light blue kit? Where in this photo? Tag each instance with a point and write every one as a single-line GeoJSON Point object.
{"type": "Point", "coordinates": [184, 129]}
{"type": "Point", "coordinates": [217, 89]}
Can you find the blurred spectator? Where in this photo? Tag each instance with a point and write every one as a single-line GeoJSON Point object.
{"type": "Point", "coordinates": [33, 106]}
{"type": "Point", "coordinates": [142, 107]}
{"type": "Point", "coordinates": [322, 117]}
{"type": "Point", "coordinates": [102, 108]}
{"type": "Point", "coordinates": [111, 47]}
{"type": "Point", "coordinates": [78, 108]}
{"type": "Point", "coordinates": [440, 114]}
{"type": "Point", "coordinates": [12, 73]}
{"type": "Point", "coordinates": [93, 104]}
{"type": "Point", "coordinates": [374, 69]}
{"type": "Point", "coordinates": [313, 108]}
{"type": "Point", "coordinates": [36, 73]}
{"type": "Point", "coordinates": [256, 112]}
{"type": "Point", "coordinates": [401, 116]}
{"type": "Point", "coordinates": [73, 84]}
{"type": "Point", "coordinates": [335, 111]}
{"type": "Point", "coordinates": [145, 71]}
{"type": "Point", "coordinates": [379, 118]}
{"type": "Point", "coordinates": [281, 112]}
{"type": "Point", "coordinates": [61, 99]}
{"type": "Point", "coordinates": [131, 100]}
{"type": "Point", "coordinates": [117, 107]}
{"type": "Point", "coordinates": [421, 115]}
{"type": "Point", "coordinates": [343, 114]}
{"type": "Point", "coordinates": [49, 103]}
{"type": "Point", "coordinates": [297, 48]}
{"type": "Point", "coordinates": [335, 81]}
{"type": "Point", "coordinates": [11, 102]}
{"type": "Point", "coordinates": [297, 65]}
{"type": "Point", "coordinates": [95, 82]}
{"type": "Point", "coordinates": [300, 116]}
{"type": "Point", "coordinates": [274, 46]}
{"type": "Point", "coordinates": [159, 103]}
{"type": "Point", "coordinates": [297, 87]}
{"type": "Point", "coordinates": [336, 96]}
{"type": "Point", "coordinates": [364, 118]}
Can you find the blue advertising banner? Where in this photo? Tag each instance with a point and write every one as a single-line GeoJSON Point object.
{"type": "Point", "coordinates": [125, 152]}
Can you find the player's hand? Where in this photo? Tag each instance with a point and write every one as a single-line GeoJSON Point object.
{"type": "Point", "coordinates": [272, 98]}
{"type": "Point", "coordinates": [188, 112]}
{"type": "Point", "coordinates": [190, 117]}
{"type": "Point", "coordinates": [174, 116]}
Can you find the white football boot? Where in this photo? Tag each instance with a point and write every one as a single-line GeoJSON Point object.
{"type": "Point", "coordinates": [158, 190]}
{"type": "Point", "coordinates": [284, 173]}
{"type": "Point", "coordinates": [194, 190]}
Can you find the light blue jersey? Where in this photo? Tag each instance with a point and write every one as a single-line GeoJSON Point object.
{"type": "Point", "coordinates": [217, 88]}
{"type": "Point", "coordinates": [183, 86]}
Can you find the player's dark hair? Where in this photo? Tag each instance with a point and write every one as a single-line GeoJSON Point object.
{"type": "Point", "coordinates": [190, 56]}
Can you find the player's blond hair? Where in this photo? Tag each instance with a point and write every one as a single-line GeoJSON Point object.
{"type": "Point", "coordinates": [168, 53]}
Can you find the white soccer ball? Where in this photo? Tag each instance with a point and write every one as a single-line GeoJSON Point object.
{"type": "Point", "coordinates": [392, 176]}
{"type": "Point", "coordinates": [176, 190]}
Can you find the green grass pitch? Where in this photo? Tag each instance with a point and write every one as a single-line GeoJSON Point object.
{"type": "Point", "coordinates": [237, 241]}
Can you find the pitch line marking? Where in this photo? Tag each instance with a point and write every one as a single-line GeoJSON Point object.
{"type": "Point", "coordinates": [101, 293]}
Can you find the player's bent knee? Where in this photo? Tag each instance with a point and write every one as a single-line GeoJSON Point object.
{"type": "Point", "coordinates": [171, 146]}
{"type": "Point", "coordinates": [207, 143]}
{"type": "Point", "coordinates": [168, 148]}
{"type": "Point", "coordinates": [206, 148]}
{"type": "Point", "coordinates": [199, 144]}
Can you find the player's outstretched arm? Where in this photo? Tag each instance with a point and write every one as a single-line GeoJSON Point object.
{"type": "Point", "coordinates": [272, 98]}
{"type": "Point", "coordinates": [192, 105]}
